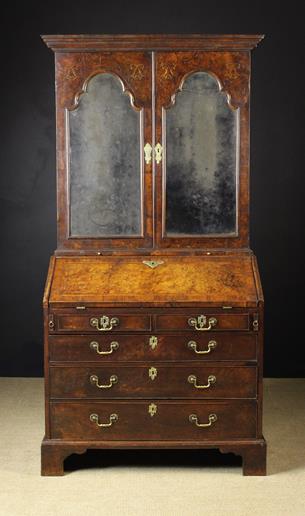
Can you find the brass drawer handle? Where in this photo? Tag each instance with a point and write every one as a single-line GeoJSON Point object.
{"type": "Point", "coordinates": [193, 379]}
{"type": "Point", "coordinates": [193, 345]}
{"type": "Point", "coordinates": [112, 419]}
{"type": "Point", "coordinates": [94, 381]}
{"type": "Point", "coordinates": [95, 347]}
{"type": "Point", "coordinates": [199, 323]}
{"type": "Point", "coordinates": [104, 323]}
{"type": "Point", "coordinates": [194, 419]}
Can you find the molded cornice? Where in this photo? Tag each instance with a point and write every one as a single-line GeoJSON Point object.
{"type": "Point", "coordinates": [106, 42]}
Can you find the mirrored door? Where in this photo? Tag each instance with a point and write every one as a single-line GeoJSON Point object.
{"type": "Point", "coordinates": [106, 180]}
{"type": "Point", "coordinates": [198, 127]}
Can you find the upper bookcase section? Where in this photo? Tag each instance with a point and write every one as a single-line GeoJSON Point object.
{"type": "Point", "coordinates": [152, 142]}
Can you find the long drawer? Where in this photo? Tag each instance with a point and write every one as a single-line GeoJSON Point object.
{"type": "Point", "coordinates": [145, 381]}
{"type": "Point", "coordinates": [157, 347]}
{"type": "Point", "coordinates": [157, 420]}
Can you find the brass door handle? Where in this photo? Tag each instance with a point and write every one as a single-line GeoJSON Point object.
{"type": "Point", "coordinates": [194, 419]}
{"type": "Point", "coordinates": [95, 347]}
{"type": "Point", "coordinates": [104, 323]}
{"type": "Point", "coordinates": [193, 379]}
{"type": "Point", "coordinates": [94, 381]}
{"type": "Point", "coordinates": [112, 419]}
{"type": "Point", "coordinates": [193, 345]}
{"type": "Point", "coordinates": [199, 323]}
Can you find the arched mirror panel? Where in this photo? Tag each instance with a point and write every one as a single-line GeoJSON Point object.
{"type": "Point", "coordinates": [201, 169]}
{"type": "Point", "coordinates": [105, 166]}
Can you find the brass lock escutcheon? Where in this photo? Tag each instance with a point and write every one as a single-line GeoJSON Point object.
{"type": "Point", "coordinates": [158, 153]}
{"type": "Point", "coordinates": [193, 418]}
{"type": "Point", "coordinates": [103, 323]}
{"type": "Point", "coordinates": [152, 263]}
{"type": "Point", "coordinates": [152, 373]}
{"type": "Point", "coordinates": [193, 345]}
{"type": "Point", "coordinates": [200, 323]}
{"type": "Point", "coordinates": [193, 379]}
{"type": "Point", "coordinates": [152, 409]}
{"type": "Point", "coordinates": [113, 418]}
{"type": "Point", "coordinates": [153, 342]}
{"type": "Point", "coordinates": [94, 380]}
{"type": "Point", "coordinates": [96, 347]}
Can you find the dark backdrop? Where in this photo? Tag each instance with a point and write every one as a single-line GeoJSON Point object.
{"type": "Point", "coordinates": [28, 212]}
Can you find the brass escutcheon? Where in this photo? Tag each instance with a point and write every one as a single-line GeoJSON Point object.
{"type": "Point", "coordinates": [152, 409]}
{"type": "Point", "coordinates": [158, 153]}
{"type": "Point", "coordinates": [152, 263]}
{"type": "Point", "coordinates": [153, 342]}
{"type": "Point", "coordinates": [152, 373]}
{"type": "Point", "coordinates": [147, 153]}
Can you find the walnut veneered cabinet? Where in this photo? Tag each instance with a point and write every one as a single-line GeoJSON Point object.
{"type": "Point", "coordinates": [153, 305]}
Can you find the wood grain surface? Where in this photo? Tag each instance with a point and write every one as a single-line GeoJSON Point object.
{"type": "Point", "coordinates": [235, 419]}
{"type": "Point", "coordinates": [215, 276]}
{"type": "Point", "coordinates": [173, 347]}
{"type": "Point", "coordinates": [179, 279]}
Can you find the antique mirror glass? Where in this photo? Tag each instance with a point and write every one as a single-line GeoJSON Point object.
{"type": "Point", "coordinates": [105, 162]}
{"type": "Point", "coordinates": [202, 133]}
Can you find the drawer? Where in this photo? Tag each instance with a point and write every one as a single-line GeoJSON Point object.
{"type": "Point", "coordinates": [153, 380]}
{"type": "Point", "coordinates": [200, 322]}
{"type": "Point", "coordinates": [157, 420]}
{"type": "Point", "coordinates": [100, 323]}
{"type": "Point", "coordinates": [145, 347]}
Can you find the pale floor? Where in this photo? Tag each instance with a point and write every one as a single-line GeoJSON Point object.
{"type": "Point", "coordinates": [147, 484]}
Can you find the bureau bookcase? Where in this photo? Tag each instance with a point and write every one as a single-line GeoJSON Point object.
{"type": "Point", "coordinates": [153, 306]}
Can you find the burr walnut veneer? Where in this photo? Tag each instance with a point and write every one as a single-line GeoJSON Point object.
{"type": "Point", "coordinates": [153, 306]}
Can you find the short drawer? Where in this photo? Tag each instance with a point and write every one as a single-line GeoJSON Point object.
{"type": "Point", "coordinates": [145, 347]}
{"type": "Point", "coordinates": [153, 380]}
{"type": "Point", "coordinates": [156, 420]}
{"type": "Point", "coordinates": [203, 322]}
{"type": "Point", "coordinates": [100, 324]}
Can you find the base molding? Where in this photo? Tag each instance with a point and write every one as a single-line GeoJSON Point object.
{"type": "Point", "coordinates": [54, 452]}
